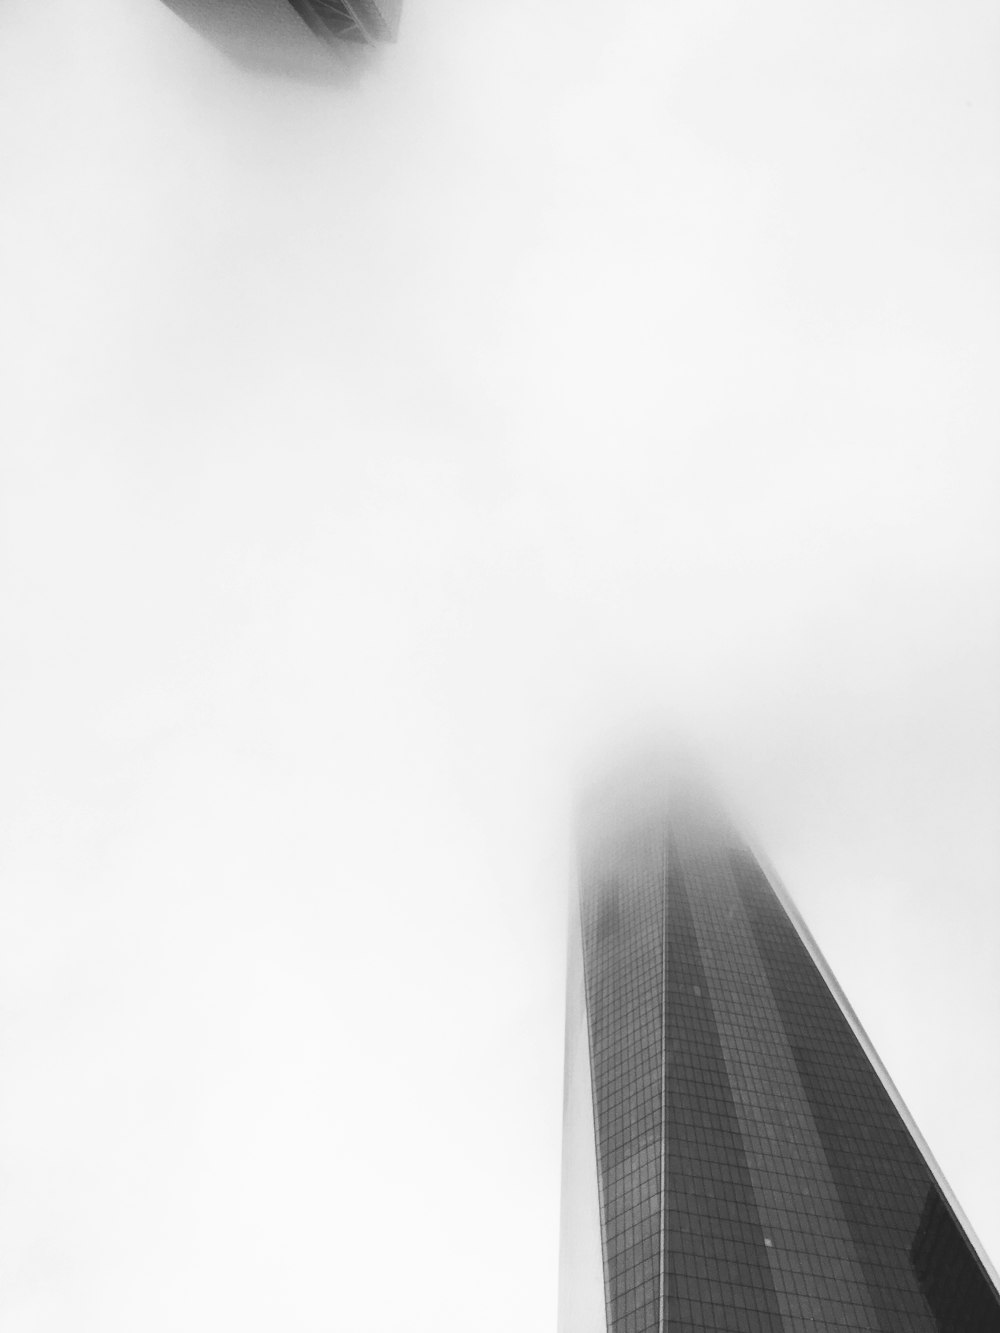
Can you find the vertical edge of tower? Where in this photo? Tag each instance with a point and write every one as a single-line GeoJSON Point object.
{"type": "Point", "coordinates": [826, 972]}
{"type": "Point", "coordinates": [581, 1259]}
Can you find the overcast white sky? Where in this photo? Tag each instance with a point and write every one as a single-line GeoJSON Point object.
{"type": "Point", "coordinates": [371, 449]}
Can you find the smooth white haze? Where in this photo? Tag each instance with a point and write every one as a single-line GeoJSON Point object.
{"type": "Point", "coordinates": [373, 453]}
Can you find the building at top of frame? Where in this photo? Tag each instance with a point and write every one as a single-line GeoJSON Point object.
{"type": "Point", "coordinates": [352, 20]}
{"type": "Point", "coordinates": [316, 40]}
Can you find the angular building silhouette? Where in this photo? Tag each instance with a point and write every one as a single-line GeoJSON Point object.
{"type": "Point", "coordinates": [734, 1157]}
{"type": "Point", "coordinates": [274, 36]}
{"type": "Point", "coordinates": [352, 20]}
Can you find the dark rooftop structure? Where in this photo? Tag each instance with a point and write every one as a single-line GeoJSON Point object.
{"type": "Point", "coordinates": [315, 40]}
{"type": "Point", "coordinates": [351, 20]}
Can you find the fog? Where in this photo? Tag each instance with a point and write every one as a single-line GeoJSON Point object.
{"type": "Point", "coordinates": [376, 450]}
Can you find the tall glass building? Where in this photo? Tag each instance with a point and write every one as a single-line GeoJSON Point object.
{"type": "Point", "coordinates": [352, 20]}
{"type": "Point", "coordinates": [274, 35]}
{"type": "Point", "coordinates": [735, 1158]}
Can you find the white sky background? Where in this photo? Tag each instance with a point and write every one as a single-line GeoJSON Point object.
{"type": "Point", "coordinates": [368, 451]}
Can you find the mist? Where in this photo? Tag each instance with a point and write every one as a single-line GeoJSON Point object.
{"type": "Point", "coordinates": [379, 449]}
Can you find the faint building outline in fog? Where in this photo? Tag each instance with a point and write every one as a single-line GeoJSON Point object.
{"type": "Point", "coordinates": [734, 1156]}
{"type": "Point", "coordinates": [315, 40]}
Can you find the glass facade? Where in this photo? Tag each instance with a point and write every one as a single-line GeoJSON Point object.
{"type": "Point", "coordinates": [280, 36]}
{"type": "Point", "coordinates": [352, 20]}
{"type": "Point", "coordinates": [754, 1172]}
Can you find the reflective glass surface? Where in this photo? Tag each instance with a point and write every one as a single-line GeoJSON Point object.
{"type": "Point", "coordinates": [755, 1175]}
{"type": "Point", "coordinates": [623, 951]}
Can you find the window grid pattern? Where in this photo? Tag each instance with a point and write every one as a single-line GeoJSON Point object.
{"type": "Point", "coordinates": [817, 1278]}
{"type": "Point", "coordinates": [881, 1177]}
{"type": "Point", "coordinates": [622, 920]}
{"type": "Point", "coordinates": [719, 1273]}
{"type": "Point", "coordinates": [754, 1172]}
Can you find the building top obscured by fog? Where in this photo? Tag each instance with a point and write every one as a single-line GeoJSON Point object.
{"type": "Point", "coordinates": [352, 20]}
{"type": "Point", "coordinates": [317, 40]}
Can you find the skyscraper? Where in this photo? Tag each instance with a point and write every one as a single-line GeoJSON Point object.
{"type": "Point", "coordinates": [274, 35]}
{"type": "Point", "coordinates": [734, 1157]}
{"type": "Point", "coordinates": [352, 20]}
